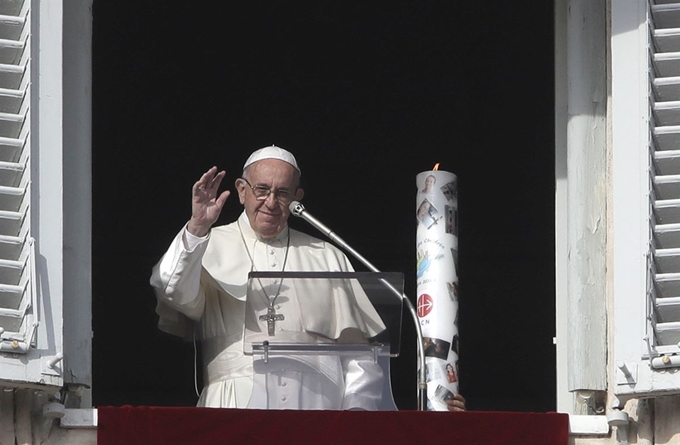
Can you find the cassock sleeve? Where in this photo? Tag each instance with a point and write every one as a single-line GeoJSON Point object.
{"type": "Point", "coordinates": [176, 282]}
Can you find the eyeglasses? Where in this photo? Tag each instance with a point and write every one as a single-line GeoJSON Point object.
{"type": "Point", "coordinates": [261, 193]}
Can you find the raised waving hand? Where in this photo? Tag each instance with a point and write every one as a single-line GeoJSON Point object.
{"type": "Point", "coordinates": [206, 205]}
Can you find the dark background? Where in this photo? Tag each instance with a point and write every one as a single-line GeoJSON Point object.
{"type": "Point", "coordinates": [366, 94]}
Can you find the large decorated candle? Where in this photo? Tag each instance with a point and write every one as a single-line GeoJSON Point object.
{"type": "Point", "coordinates": [437, 281]}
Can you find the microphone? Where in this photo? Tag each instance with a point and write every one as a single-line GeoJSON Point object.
{"type": "Point", "coordinates": [297, 209]}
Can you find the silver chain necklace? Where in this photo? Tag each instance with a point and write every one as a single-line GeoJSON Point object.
{"type": "Point", "coordinates": [271, 317]}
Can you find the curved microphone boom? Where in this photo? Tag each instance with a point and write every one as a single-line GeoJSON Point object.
{"type": "Point", "coordinates": [297, 209]}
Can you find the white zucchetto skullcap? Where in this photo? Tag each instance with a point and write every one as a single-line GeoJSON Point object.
{"type": "Point", "coordinates": [272, 152]}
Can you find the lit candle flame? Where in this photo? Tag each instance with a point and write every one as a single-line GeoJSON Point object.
{"type": "Point", "coordinates": [436, 167]}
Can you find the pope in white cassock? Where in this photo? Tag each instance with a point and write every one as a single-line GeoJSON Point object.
{"type": "Point", "coordinates": [201, 285]}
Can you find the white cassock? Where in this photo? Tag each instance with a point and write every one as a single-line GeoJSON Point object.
{"type": "Point", "coordinates": [205, 281]}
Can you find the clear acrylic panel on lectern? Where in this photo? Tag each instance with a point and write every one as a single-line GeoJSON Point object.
{"type": "Point", "coordinates": [297, 318]}
{"type": "Point", "coordinates": [298, 295]}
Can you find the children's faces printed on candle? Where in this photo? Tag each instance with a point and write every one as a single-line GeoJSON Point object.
{"type": "Point", "coordinates": [440, 370]}
{"type": "Point", "coordinates": [443, 394]}
{"type": "Point", "coordinates": [428, 185]}
{"type": "Point", "coordinates": [452, 287]}
{"type": "Point", "coordinates": [436, 347]}
{"type": "Point", "coordinates": [454, 256]}
{"type": "Point", "coordinates": [454, 344]}
{"type": "Point", "coordinates": [433, 371]}
{"type": "Point", "coordinates": [451, 374]}
{"type": "Point", "coordinates": [427, 214]}
{"type": "Point", "coordinates": [450, 191]}
{"type": "Point", "coordinates": [451, 213]}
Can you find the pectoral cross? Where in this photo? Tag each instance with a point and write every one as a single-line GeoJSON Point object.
{"type": "Point", "coordinates": [271, 318]}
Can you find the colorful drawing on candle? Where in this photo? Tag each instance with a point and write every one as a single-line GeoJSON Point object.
{"type": "Point", "coordinates": [423, 262]}
{"type": "Point", "coordinates": [428, 214]}
{"type": "Point", "coordinates": [435, 347]}
{"type": "Point", "coordinates": [450, 190]}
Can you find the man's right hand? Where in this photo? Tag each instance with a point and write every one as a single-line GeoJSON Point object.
{"type": "Point", "coordinates": [205, 204]}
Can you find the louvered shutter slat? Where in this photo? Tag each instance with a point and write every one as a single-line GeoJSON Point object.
{"type": "Point", "coordinates": [668, 333]}
{"type": "Point", "coordinates": [666, 14]}
{"type": "Point", "coordinates": [668, 284]}
{"type": "Point", "coordinates": [667, 40]}
{"type": "Point", "coordinates": [666, 261]}
{"type": "Point", "coordinates": [667, 66]}
{"type": "Point", "coordinates": [664, 273]}
{"type": "Point", "coordinates": [667, 211]}
{"type": "Point", "coordinates": [667, 236]}
{"type": "Point", "coordinates": [16, 290]}
{"type": "Point", "coordinates": [667, 186]}
{"type": "Point", "coordinates": [666, 162]}
{"type": "Point", "coordinates": [667, 113]}
{"type": "Point", "coordinates": [11, 142]}
{"type": "Point", "coordinates": [667, 138]}
{"type": "Point", "coordinates": [668, 309]}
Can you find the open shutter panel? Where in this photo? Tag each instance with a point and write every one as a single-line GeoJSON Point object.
{"type": "Point", "coordinates": [664, 265]}
{"type": "Point", "coordinates": [17, 269]}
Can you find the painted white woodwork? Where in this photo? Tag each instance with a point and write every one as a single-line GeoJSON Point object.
{"type": "Point", "coordinates": [630, 189]}
{"type": "Point", "coordinates": [45, 91]}
{"type": "Point", "coordinates": [77, 211]}
{"type": "Point", "coordinates": [586, 195]}
{"type": "Point", "coordinates": [645, 116]}
{"type": "Point", "coordinates": [20, 327]}
{"type": "Point", "coordinates": [664, 271]}
{"type": "Point", "coordinates": [588, 425]}
{"type": "Point", "coordinates": [45, 204]}
{"type": "Point", "coordinates": [565, 399]}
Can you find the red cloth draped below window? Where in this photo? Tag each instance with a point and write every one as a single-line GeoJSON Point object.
{"type": "Point", "coordinates": [205, 426]}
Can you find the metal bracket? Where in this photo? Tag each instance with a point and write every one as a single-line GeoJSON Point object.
{"type": "Point", "coordinates": [50, 365]}
{"type": "Point", "coordinates": [626, 373]}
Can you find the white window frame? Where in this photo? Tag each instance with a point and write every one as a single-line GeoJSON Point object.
{"type": "Point", "coordinates": [60, 205]}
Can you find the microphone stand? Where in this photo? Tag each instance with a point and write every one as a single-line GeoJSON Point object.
{"type": "Point", "coordinates": [299, 210]}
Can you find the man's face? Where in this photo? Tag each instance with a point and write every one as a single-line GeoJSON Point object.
{"type": "Point", "coordinates": [429, 182]}
{"type": "Point", "coordinates": [268, 217]}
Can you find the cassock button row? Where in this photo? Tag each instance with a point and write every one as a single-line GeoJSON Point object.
{"type": "Point", "coordinates": [284, 398]}
{"type": "Point", "coordinates": [273, 264]}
